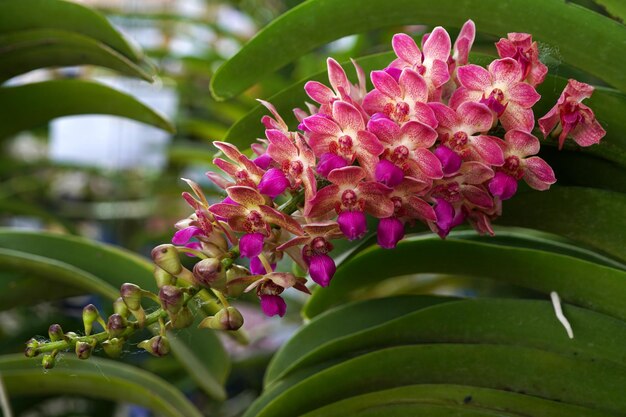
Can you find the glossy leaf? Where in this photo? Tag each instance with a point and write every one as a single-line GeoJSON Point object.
{"type": "Point", "coordinates": [511, 368]}
{"type": "Point", "coordinates": [578, 282]}
{"type": "Point", "coordinates": [27, 50]}
{"type": "Point", "coordinates": [530, 323]}
{"type": "Point", "coordinates": [449, 400]}
{"type": "Point", "coordinates": [615, 8]}
{"type": "Point", "coordinates": [585, 39]}
{"type": "Point", "coordinates": [30, 105]}
{"type": "Point", "coordinates": [96, 378]}
{"type": "Point", "coordinates": [65, 16]}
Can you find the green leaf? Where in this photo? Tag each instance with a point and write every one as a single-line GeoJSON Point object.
{"type": "Point", "coordinates": [18, 15]}
{"type": "Point", "coordinates": [615, 8]}
{"type": "Point", "coordinates": [33, 105]}
{"type": "Point", "coordinates": [337, 323]}
{"type": "Point", "coordinates": [96, 378]}
{"type": "Point", "coordinates": [578, 282]}
{"type": "Point", "coordinates": [25, 51]}
{"type": "Point", "coordinates": [449, 400]}
{"type": "Point", "coordinates": [584, 39]}
{"type": "Point", "coordinates": [198, 350]}
{"type": "Point", "coordinates": [530, 323]}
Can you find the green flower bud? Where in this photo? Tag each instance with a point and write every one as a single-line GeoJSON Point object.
{"type": "Point", "coordinates": [131, 294]}
{"type": "Point", "coordinates": [55, 332]}
{"type": "Point", "coordinates": [48, 361]}
{"type": "Point", "coordinates": [84, 349]}
{"type": "Point", "coordinates": [171, 299]}
{"type": "Point", "coordinates": [157, 346]}
{"type": "Point", "coordinates": [235, 283]}
{"type": "Point", "coordinates": [113, 347]}
{"type": "Point", "coordinates": [90, 315]}
{"type": "Point", "coordinates": [209, 273]}
{"type": "Point", "coordinates": [226, 319]}
{"type": "Point", "coordinates": [116, 325]}
{"type": "Point", "coordinates": [120, 307]}
{"type": "Point", "coordinates": [184, 318]}
{"type": "Point", "coordinates": [163, 278]}
{"type": "Point", "coordinates": [31, 348]}
{"type": "Point", "coordinates": [166, 257]}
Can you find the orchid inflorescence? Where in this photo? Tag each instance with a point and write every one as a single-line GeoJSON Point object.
{"type": "Point", "coordinates": [437, 140]}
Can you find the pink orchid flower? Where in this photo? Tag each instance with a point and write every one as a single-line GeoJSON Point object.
{"type": "Point", "coordinates": [296, 160]}
{"type": "Point", "coordinates": [241, 169]}
{"type": "Point", "coordinates": [462, 46]}
{"type": "Point", "coordinates": [572, 118]}
{"type": "Point", "coordinates": [406, 151]}
{"type": "Point", "coordinates": [343, 135]}
{"type": "Point", "coordinates": [465, 186]}
{"type": "Point", "coordinates": [520, 47]}
{"type": "Point", "coordinates": [342, 89]}
{"type": "Point", "coordinates": [269, 287]}
{"type": "Point", "coordinates": [351, 197]}
{"type": "Point", "coordinates": [461, 131]}
{"type": "Point", "coordinates": [501, 89]}
{"type": "Point", "coordinates": [432, 64]}
{"type": "Point", "coordinates": [519, 162]}
{"type": "Point", "coordinates": [315, 248]}
{"type": "Point", "coordinates": [401, 100]}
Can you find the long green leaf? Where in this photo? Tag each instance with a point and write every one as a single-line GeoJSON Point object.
{"type": "Point", "coordinates": [18, 15]}
{"type": "Point", "coordinates": [97, 378]}
{"type": "Point", "coordinates": [596, 385]}
{"type": "Point", "coordinates": [198, 350]}
{"type": "Point", "coordinates": [530, 323]}
{"type": "Point", "coordinates": [462, 398]}
{"type": "Point", "coordinates": [24, 51]}
{"type": "Point", "coordinates": [585, 39]}
{"type": "Point", "coordinates": [579, 282]}
{"type": "Point", "coordinates": [615, 8]}
{"type": "Point", "coordinates": [33, 105]}
{"type": "Point", "coordinates": [336, 323]}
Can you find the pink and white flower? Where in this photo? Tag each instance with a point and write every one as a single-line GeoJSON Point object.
{"type": "Point", "coordinates": [520, 47]}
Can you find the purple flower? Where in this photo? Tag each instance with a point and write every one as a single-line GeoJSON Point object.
{"type": "Point", "coordinates": [503, 185]}
{"type": "Point", "coordinates": [352, 224]}
{"type": "Point", "coordinates": [447, 217]}
{"type": "Point", "coordinates": [182, 236]}
{"type": "Point", "coordinates": [273, 183]}
{"type": "Point", "coordinates": [322, 268]}
{"type": "Point", "coordinates": [273, 305]}
{"type": "Point", "coordinates": [257, 268]}
{"type": "Point", "coordinates": [328, 162]}
{"type": "Point", "coordinates": [251, 245]}
{"type": "Point", "coordinates": [263, 161]}
{"type": "Point", "coordinates": [390, 232]}
{"type": "Point", "coordinates": [388, 173]}
{"type": "Point", "coordinates": [450, 160]}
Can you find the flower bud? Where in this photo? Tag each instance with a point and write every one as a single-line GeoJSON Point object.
{"type": "Point", "coordinates": [31, 348]}
{"type": "Point", "coordinates": [157, 346]}
{"type": "Point", "coordinates": [55, 332]}
{"type": "Point", "coordinates": [236, 286]}
{"type": "Point", "coordinates": [48, 361]}
{"type": "Point", "coordinates": [131, 294]}
{"type": "Point", "coordinates": [116, 325]}
{"type": "Point", "coordinates": [209, 272]}
{"type": "Point", "coordinates": [162, 277]}
{"type": "Point", "coordinates": [166, 257]}
{"type": "Point", "coordinates": [184, 318]}
{"type": "Point", "coordinates": [84, 349]}
{"type": "Point", "coordinates": [322, 269]}
{"type": "Point", "coordinates": [113, 347]}
{"type": "Point", "coordinates": [119, 307]}
{"type": "Point", "coordinates": [90, 315]}
{"type": "Point", "coordinates": [226, 319]}
{"type": "Point", "coordinates": [171, 299]}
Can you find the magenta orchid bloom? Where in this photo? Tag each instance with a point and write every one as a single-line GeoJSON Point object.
{"type": "Point", "coordinates": [462, 46]}
{"type": "Point", "coordinates": [501, 89]}
{"type": "Point", "coordinates": [351, 197]}
{"type": "Point", "coordinates": [573, 118]}
{"type": "Point", "coordinates": [296, 160]}
{"type": "Point", "coordinates": [269, 287]}
{"type": "Point", "coordinates": [520, 47]}
{"type": "Point", "coordinates": [241, 169]}
{"type": "Point", "coordinates": [342, 89]}
{"type": "Point", "coordinates": [519, 162]}
{"type": "Point", "coordinates": [432, 64]}
{"type": "Point", "coordinates": [465, 186]}
{"type": "Point", "coordinates": [400, 100]}
{"type": "Point", "coordinates": [461, 131]}
{"type": "Point", "coordinates": [406, 151]}
{"type": "Point", "coordinates": [344, 135]}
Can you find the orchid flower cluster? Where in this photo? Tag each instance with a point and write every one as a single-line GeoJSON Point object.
{"type": "Point", "coordinates": [420, 146]}
{"type": "Point", "coordinates": [437, 140]}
